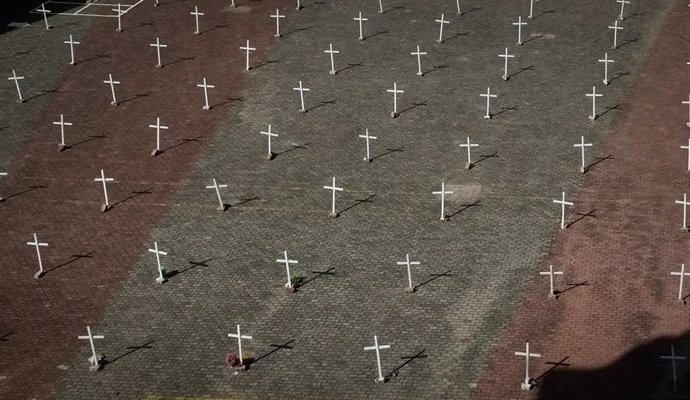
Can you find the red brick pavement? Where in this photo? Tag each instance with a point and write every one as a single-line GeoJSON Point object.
{"type": "Point", "coordinates": [612, 329]}
{"type": "Point", "coordinates": [41, 318]}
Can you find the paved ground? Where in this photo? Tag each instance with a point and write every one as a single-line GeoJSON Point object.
{"type": "Point", "coordinates": [170, 340]}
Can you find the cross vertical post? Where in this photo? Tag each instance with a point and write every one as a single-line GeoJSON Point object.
{"type": "Point", "coordinates": [582, 145]}
{"type": "Point", "coordinates": [563, 203]}
{"type": "Point", "coordinates": [594, 96]}
{"type": "Point", "coordinates": [419, 55]}
{"type": "Point", "coordinates": [62, 146]}
{"type": "Point", "coordinates": [247, 49]}
{"type": "Point", "coordinates": [206, 87]}
{"type": "Point", "coordinates": [395, 92]}
{"type": "Point", "coordinates": [688, 148]}
{"type": "Point", "coordinates": [161, 272]}
{"type": "Point", "coordinates": [440, 33]}
{"type": "Point", "coordinates": [331, 52]}
{"type": "Point", "coordinates": [488, 96]}
{"type": "Point", "coordinates": [606, 62]}
{"type": "Point", "coordinates": [408, 263]}
{"type": "Point", "coordinates": [158, 46]}
{"type": "Point", "coordinates": [519, 24]}
{"type": "Point", "coordinates": [38, 246]}
{"type": "Point", "coordinates": [551, 273]}
{"type": "Point", "coordinates": [360, 19]}
{"type": "Point", "coordinates": [277, 16]}
{"type": "Point", "coordinates": [527, 384]}
{"type": "Point", "coordinates": [615, 28]}
{"type": "Point", "coordinates": [2, 174]}
{"type": "Point", "coordinates": [681, 274]}
{"type": "Point", "coordinates": [269, 135]}
{"type": "Point", "coordinates": [443, 194]}
{"type": "Point", "coordinates": [196, 15]}
{"type": "Point", "coordinates": [118, 10]}
{"type": "Point", "coordinates": [376, 347]}
{"type": "Point", "coordinates": [367, 137]}
{"type": "Point", "coordinates": [106, 206]}
{"type": "Point", "coordinates": [682, 102]}
{"type": "Point", "coordinates": [301, 91]}
{"type": "Point", "coordinates": [287, 261]}
{"type": "Point", "coordinates": [673, 357]}
{"type": "Point", "coordinates": [94, 360]}
{"type": "Point", "coordinates": [505, 56]}
{"type": "Point", "coordinates": [239, 337]}
{"type": "Point", "coordinates": [45, 12]}
{"type": "Point", "coordinates": [333, 189]}
{"type": "Point", "coordinates": [217, 187]}
{"type": "Point", "coordinates": [16, 80]}
{"type": "Point", "coordinates": [623, 3]}
{"type": "Point", "coordinates": [71, 43]}
{"type": "Point", "coordinates": [469, 145]}
{"type": "Point", "coordinates": [112, 84]}
{"type": "Point", "coordinates": [158, 127]}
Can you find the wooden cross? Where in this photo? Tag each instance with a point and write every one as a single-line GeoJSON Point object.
{"type": "Point", "coordinates": [239, 337]}
{"type": "Point", "coordinates": [45, 14]}
{"type": "Point", "coordinates": [606, 62]}
{"type": "Point", "coordinates": [112, 88]}
{"type": "Point", "coordinates": [440, 33]}
{"type": "Point", "coordinates": [360, 19]}
{"type": "Point", "coordinates": [688, 148]}
{"type": "Point", "coordinates": [247, 50]}
{"type": "Point", "coordinates": [531, 9]}
{"type": "Point", "coordinates": [206, 87]}
{"type": "Point", "coordinates": [331, 52]}
{"type": "Point", "coordinates": [682, 102]}
{"type": "Point", "coordinates": [395, 92]}
{"type": "Point", "coordinates": [408, 263]}
{"type": "Point", "coordinates": [673, 357]}
{"type": "Point", "coordinates": [158, 253]}
{"type": "Point", "coordinates": [38, 246]}
{"type": "Point", "coordinates": [376, 347]}
{"type": "Point", "coordinates": [582, 145]}
{"type": "Point", "coordinates": [563, 203]}
{"type": "Point", "coordinates": [158, 46]}
{"type": "Point", "coordinates": [196, 15]}
{"type": "Point", "coordinates": [62, 124]}
{"type": "Point", "coordinates": [118, 10]}
{"type": "Point", "coordinates": [685, 204]}
{"type": "Point", "coordinates": [93, 360]}
{"type": "Point", "coordinates": [419, 55]}
{"type": "Point", "coordinates": [158, 127]}
{"type": "Point", "coordinates": [367, 137]}
{"type": "Point", "coordinates": [443, 194]}
{"type": "Point", "coordinates": [333, 189]}
{"type": "Point", "coordinates": [277, 16]}
{"type": "Point", "coordinates": [2, 174]}
{"type": "Point", "coordinates": [488, 96]}
{"type": "Point", "coordinates": [527, 384]}
{"type": "Point", "coordinates": [71, 43]}
{"type": "Point", "coordinates": [505, 56]}
{"type": "Point", "coordinates": [551, 273]}
{"type": "Point", "coordinates": [615, 28]}
{"type": "Point", "coordinates": [594, 96]}
{"type": "Point", "coordinates": [380, 7]}
{"type": "Point", "coordinates": [16, 80]}
{"type": "Point", "coordinates": [623, 3]}
{"type": "Point", "coordinates": [469, 154]}
{"type": "Point", "coordinates": [287, 261]}
{"type": "Point", "coordinates": [301, 96]}
{"type": "Point", "coordinates": [216, 186]}
{"type": "Point", "coordinates": [681, 274]}
{"type": "Point", "coordinates": [106, 206]}
{"type": "Point", "coordinates": [269, 134]}
{"type": "Point", "coordinates": [519, 25]}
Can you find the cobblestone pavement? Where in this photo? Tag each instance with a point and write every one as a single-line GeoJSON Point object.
{"type": "Point", "coordinates": [169, 340]}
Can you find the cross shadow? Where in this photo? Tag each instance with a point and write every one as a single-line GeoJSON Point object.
{"type": "Point", "coordinates": [322, 103]}
{"type": "Point", "coordinates": [296, 31]}
{"type": "Point", "coordinates": [92, 58]}
{"type": "Point", "coordinates": [619, 75]}
{"type": "Point", "coordinates": [75, 257]}
{"type": "Point", "coordinates": [4, 127]}
{"type": "Point", "coordinates": [184, 141]}
{"type": "Point", "coordinates": [131, 350]}
{"type": "Point", "coordinates": [358, 202]}
{"type": "Point", "coordinates": [3, 338]}
{"type": "Point", "coordinates": [27, 190]}
{"type": "Point", "coordinates": [91, 138]}
{"type": "Point", "coordinates": [141, 24]}
{"type": "Point", "coordinates": [276, 347]}
{"type": "Point", "coordinates": [544, 13]}
{"type": "Point", "coordinates": [598, 160]}
{"type": "Point", "coordinates": [433, 278]}
{"type": "Point", "coordinates": [388, 151]}
{"type": "Point", "coordinates": [464, 207]}
{"type": "Point", "coordinates": [617, 107]}
{"type": "Point", "coordinates": [554, 365]}
{"type": "Point", "coordinates": [179, 60]}
{"type": "Point", "coordinates": [213, 28]}
{"type": "Point", "coordinates": [375, 34]}
{"type": "Point", "coordinates": [627, 42]}
{"type": "Point", "coordinates": [582, 216]}
{"type": "Point", "coordinates": [435, 68]}
{"type": "Point", "coordinates": [505, 109]}
{"type": "Point", "coordinates": [532, 38]}
{"type": "Point", "coordinates": [457, 35]}
{"type": "Point", "coordinates": [293, 147]}
{"type": "Point", "coordinates": [521, 70]}
{"type": "Point", "coordinates": [16, 53]}
{"type": "Point", "coordinates": [319, 274]}
{"type": "Point", "coordinates": [413, 106]}
{"type": "Point", "coordinates": [393, 9]}
{"type": "Point", "coordinates": [227, 101]}
{"type": "Point", "coordinates": [42, 93]}
{"type": "Point", "coordinates": [192, 265]}
{"type": "Point", "coordinates": [135, 97]}
{"type": "Point", "coordinates": [268, 62]}
{"type": "Point", "coordinates": [408, 359]}
{"type": "Point", "coordinates": [571, 286]}
{"type": "Point", "coordinates": [635, 15]}
{"type": "Point", "coordinates": [135, 194]}
{"type": "Point", "coordinates": [243, 201]}
{"type": "Point", "coordinates": [471, 10]}
{"type": "Point", "coordinates": [486, 157]}
{"type": "Point", "coordinates": [352, 65]}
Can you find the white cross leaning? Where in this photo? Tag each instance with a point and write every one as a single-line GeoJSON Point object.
{"type": "Point", "coordinates": [367, 137]}
{"type": "Point", "coordinates": [488, 96]}
{"type": "Point", "coordinates": [158, 253]}
{"type": "Point", "coordinates": [360, 19]}
{"type": "Point", "coordinates": [673, 357]}
{"type": "Point", "coordinates": [239, 337]}
{"type": "Point", "coordinates": [623, 3]}
{"type": "Point", "coordinates": [419, 55]}
{"type": "Point", "coordinates": [687, 147]}
{"type": "Point", "coordinates": [287, 261]}
{"type": "Point", "coordinates": [606, 62]}
{"type": "Point", "coordinates": [301, 96]}
{"type": "Point", "coordinates": [681, 274]}
{"type": "Point", "coordinates": [206, 87]}
{"type": "Point", "coordinates": [505, 56]}
{"type": "Point", "coordinates": [440, 33]}
{"type": "Point", "coordinates": [682, 102]}
{"type": "Point", "coordinates": [158, 127]}
{"type": "Point", "coordinates": [519, 25]}
{"type": "Point", "coordinates": [158, 46]}
{"type": "Point", "coordinates": [38, 246]}
{"type": "Point", "coordinates": [277, 16]}
{"type": "Point", "coordinates": [395, 92]}
{"type": "Point", "coordinates": [531, 9]}
{"type": "Point", "coordinates": [333, 189]}
{"type": "Point", "coordinates": [112, 84]}
{"type": "Point", "coordinates": [2, 174]}
{"type": "Point", "coordinates": [71, 43]}
{"type": "Point", "coordinates": [408, 263]}
{"type": "Point", "coordinates": [62, 124]}
{"type": "Point", "coordinates": [118, 10]}
{"type": "Point", "coordinates": [443, 194]}
{"type": "Point", "coordinates": [331, 52]}
{"type": "Point", "coordinates": [378, 348]}
{"type": "Point", "coordinates": [106, 206]}
{"type": "Point", "coordinates": [594, 96]}
{"type": "Point", "coordinates": [216, 186]}
{"type": "Point", "coordinates": [196, 15]}
{"type": "Point", "coordinates": [582, 145]}
{"type": "Point", "coordinates": [551, 273]}
{"type": "Point", "coordinates": [269, 134]}
{"type": "Point", "coordinates": [685, 204]}
{"type": "Point", "coordinates": [527, 384]}
{"type": "Point", "coordinates": [469, 152]}
{"type": "Point", "coordinates": [563, 203]}
{"type": "Point", "coordinates": [247, 50]}
{"type": "Point", "coordinates": [16, 80]}
{"type": "Point", "coordinates": [45, 14]}
{"type": "Point", "coordinates": [93, 360]}
{"type": "Point", "coordinates": [615, 28]}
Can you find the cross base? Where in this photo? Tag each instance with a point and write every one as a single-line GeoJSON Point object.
{"type": "Point", "coordinates": [113, 103]}
{"type": "Point", "coordinates": [334, 215]}
{"type": "Point", "coordinates": [528, 385]}
{"type": "Point", "coordinates": [196, 32]}
{"type": "Point", "coordinates": [380, 12]}
{"type": "Point", "coordinates": [248, 68]}
{"type": "Point", "coordinates": [394, 114]}
{"type": "Point", "coordinates": [2, 200]}
{"type": "Point", "coordinates": [206, 108]}
{"type": "Point", "coordinates": [118, 30]}
{"type": "Point", "coordinates": [240, 368]}
{"type": "Point", "coordinates": [302, 110]}
{"type": "Point", "coordinates": [95, 363]}
{"type": "Point", "coordinates": [504, 77]}
{"type": "Point", "coordinates": [105, 207]}
{"type": "Point", "coordinates": [680, 302]}
{"type": "Point", "coordinates": [161, 280]}
{"type": "Point", "coordinates": [222, 208]}
{"type": "Point", "coordinates": [605, 81]}
{"type": "Point", "coordinates": [39, 274]}
{"type": "Point", "coordinates": [487, 116]}
{"type": "Point", "coordinates": [270, 156]}
{"type": "Point", "coordinates": [444, 218]}
{"type": "Point", "coordinates": [530, 17]}
{"type": "Point", "coordinates": [158, 66]}
{"type": "Point", "coordinates": [687, 124]}
{"type": "Point", "coordinates": [592, 117]}
{"type": "Point", "coordinates": [156, 4]}
{"type": "Point", "coordinates": [277, 35]}
{"type": "Point", "coordinates": [367, 159]}
{"type": "Point", "coordinates": [614, 47]}
{"type": "Point", "coordinates": [553, 296]}
{"type": "Point", "coordinates": [72, 63]}
{"type": "Point", "coordinates": [582, 170]}
{"type": "Point", "coordinates": [49, 27]}
{"type": "Point", "coordinates": [420, 73]}
{"type": "Point", "coordinates": [439, 41]}
{"type": "Point", "coordinates": [20, 101]}
{"type": "Point", "coordinates": [519, 43]}
{"type": "Point", "coordinates": [62, 147]}
{"type": "Point", "coordinates": [332, 72]}
{"type": "Point", "coordinates": [685, 229]}
{"type": "Point", "coordinates": [468, 165]}
{"type": "Point", "coordinates": [155, 152]}
{"type": "Point", "coordinates": [409, 290]}
{"type": "Point", "coordinates": [290, 289]}
{"type": "Point", "coordinates": [361, 38]}
{"type": "Point", "coordinates": [621, 18]}
{"type": "Point", "coordinates": [381, 379]}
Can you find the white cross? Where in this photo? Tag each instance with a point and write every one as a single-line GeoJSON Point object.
{"type": "Point", "coordinates": [395, 92]}
{"type": "Point", "coordinates": [112, 88]}
{"type": "Point", "coordinates": [594, 96]}
{"type": "Point", "coordinates": [158, 127]}
{"type": "Point", "coordinates": [239, 337]}
{"type": "Point", "coordinates": [408, 263]}
{"type": "Point", "coordinates": [38, 246]}
{"type": "Point", "coordinates": [469, 156]}
{"type": "Point", "coordinates": [443, 194]}
{"type": "Point", "coordinates": [158, 253]}
{"type": "Point", "coordinates": [527, 384]}
{"type": "Point", "coordinates": [687, 147]}
{"type": "Point", "coordinates": [519, 25]}
{"type": "Point", "coordinates": [682, 102]}
{"type": "Point", "coordinates": [551, 273]}
{"type": "Point", "coordinates": [206, 87]}
{"type": "Point", "coordinates": [71, 48]}
{"type": "Point", "coordinates": [563, 203]}
{"type": "Point", "coordinates": [606, 62]}
{"type": "Point", "coordinates": [360, 19]}
{"type": "Point", "coordinates": [681, 274]}
{"type": "Point", "coordinates": [531, 9]}
{"type": "Point", "coordinates": [419, 55]}
{"type": "Point", "coordinates": [247, 49]}
{"type": "Point", "coordinates": [333, 189]}
{"type": "Point", "coordinates": [440, 33]}
{"type": "Point", "coordinates": [158, 46]}
{"type": "Point", "coordinates": [378, 348]}
{"type": "Point", "coordinates": [269, 134]}
{"type": "Point", "coordinates": [582, 145]}
{"type": "Point", "coordinates": [457, 3]}
{"type": "Point", "coordinates": [106, 205]}
{"type": "Point", "coordinates": [62, 124]}
{"type": "Point", "coordinates": [380, 7]}
{"type": "Point", "coordinates": [277, 16]}
{"type": "Point", "coordinates": [505, 56]}
{"type": "Point", "coordinates": [94, 361]}
{"type": "Point", "coordinates": [301, 96]}
{"type": "Point", "coordinates": [331, 52]}
{"type": "Point", "coordinates": [118, 10]}
{"type": "Point", "coordinates": [685, 204]}
{"type": "Point", "coordinates": [287, 263]}
{"type": "Point", "coordinates": [2, 174]}
{"type": "Point", "coordinates": [232, 3]}
{"type": "Point", "coordinates": [367, 137]}
{"type": "Point", "coordinates": [623, 3]}
{"type": "Point", "coordinates": [488, 96]}
{"type": "Point", "coordinates": [45, 14]}
{"type": "Point", "coordinates": [615, 28]}
{"type": "Point", "coordinates": [673, 357]}
{"type": "Point", "coordinates": [196, 15]}
{"type": "Point", "coordinates": [298, 6]}
{"type": "Point", "coordinates": [16, 80]}
{"type": "Point", "coordinates": [216, 186]}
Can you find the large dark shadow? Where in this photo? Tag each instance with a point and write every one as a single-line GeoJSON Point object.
{"type": "Point", "coordinates": [18, 11]}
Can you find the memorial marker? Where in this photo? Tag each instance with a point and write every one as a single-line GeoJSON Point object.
{"type": "Point", "coordinates": [378, 348]}
{"type": "Point", "coordinates": [287, 261]}
{"type": "Point", "coordinates": [519, 25]}
{"type": "Point", "coordinates": [62, 146]}
{"type": "Point", "coordinates": [301, 96]}
{"type": "Point", "coordinates": [582, 145]}
{"type": "Point", "coordinates": [443, 194]}
{"type": "Point", "coordinates": [71, 43]}
{"type": "Point", "coordinates": [94, 360]}
{"type": "Point", "coordinates": [469, 145]}
{"type": "Point", "coordinates": [529, 382]}
{"type": "Point", "coordinates": [2, 174]}
{"type": "Point", "coordinates": [298, 6]}
{"type": "Point", "coordinates": [551, 273]}
{"type": "Point", "coordinates": [196, 15]}
{"type": "Point", "coordinates": [563, 203]}
{"type": "Point", "coordinates": [247, 50]}
{"type": "Point", "coordinates": [45, 12]}
{"type": "Point", "coordinates": [687, 147]}
{"type": "Point", "coordinates": [16, 80]}
{"type": "Point", "coordinates": [380, 7]}
{"type": "Point", "coordinates": [408, 263]}
{"type": "Point", "coordinates": [505, 56]}
{"type": "Point", "coordinates": [457, 3]}
{"type": "Point", "coordinates": [395, 92]}
{"type": "Point", "coordinates": [239, 337]}
{"type": "Point", "coordinates": [161, 270]}
{"type": "Point", "coordinates": [440, 33]}
{"type": "Point", "coordinates": [682, 102]}
{"type": "Point", "coordinates": [594, 96]}
{"type": "Point", "coordinates": [118, 10]}
{"type": "Point", "coordinates": [216, 186]}
{"type": "Point", "coordinates": [681, 274]}
{"type": "Point", "coordinates": [158, 127]}
{"type": "Point", "coordinates": [269, 134]}
{"type": "Point", "coordinates": [623, 3]}
{"type": "Point", "coordinates": [158, 46]}
{"type": "Point", "coordinates": [685, 204]}
{"type": "Point", "coordinates": [615, 28]}
{"type": "Point", "coordinates": [419, 55]}
{"type": "Point", "coordinates": [488, 96]}
{"type": "Point", "coordinates": [277, 16]}
{"type": "Point", "coordinates": [206, 87]}
{"type": "Point", "coordinates": [673, 357]}
{"type": "Point", "coordinates": [106, 206]}
{"type": "Point", "coordinates": [38, 246]}
{"type": "Point", "coordinates": [112, 88]}
{"type": "Point", "coordinates": [531, 9]}
{"type": "Point", "coordinates": [367, 137]}
{"type": "Point", "coordinates": [360, 19]}
{"type": "Point", "coordinates": [331, 52]}
{"type": "Point", "coordinates": [606, 62]}
{"type": "Point", "coordinates": [333, 189]}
